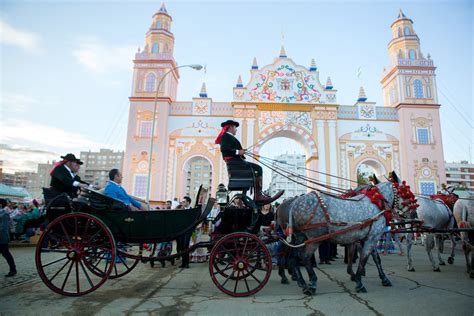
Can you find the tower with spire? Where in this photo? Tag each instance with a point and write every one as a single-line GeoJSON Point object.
{"type": "Point", "coordinates": [150, 67]}
{"type": "Point", "coordinates": [409, 85]}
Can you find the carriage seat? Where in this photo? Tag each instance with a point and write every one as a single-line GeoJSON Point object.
{"type": "Point", "coordinates": [98, 201]}
{"type": "Point", "coordinates": [240, 177]}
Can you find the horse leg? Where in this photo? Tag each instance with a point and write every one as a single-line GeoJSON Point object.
{"type": "Point", "coordinates": [453, 247]}
{"type": "Point", "coordinates": [358, 276]}
{"type": "Point", "coordinates": [439, 242]}
{"type": "Point", "coordinates": [409, 258]}
{"type": "Point", "coordinates": [313, 278]}
{"type": "Point", "coordinates": [311, 289]}
{"type": "Point", "coordinates": [429, 245]}
{"type": "Point", "coordinates": [350, 255]}
{"type": "Point", "coordinates": [363, 257]}
{"type": "Point", "coordinates": [378, 264]}
{"type": "Point", "coordinates": [281, 273]}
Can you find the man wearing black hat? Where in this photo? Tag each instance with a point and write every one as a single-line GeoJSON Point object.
{"type": "Point", "coordinates": [64, 176]}
{"type": "Point", "coordinates": [233, 153]}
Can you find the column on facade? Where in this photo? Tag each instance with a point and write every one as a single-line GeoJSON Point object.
{"type": "Point", "coordinates": [321, 148]}
{"type": "Point", "coordinates": [250, 127]}
{"type": "Point", "coordinates": [332, 151]}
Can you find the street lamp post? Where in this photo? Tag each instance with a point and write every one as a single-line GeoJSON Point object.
{"type": "Point", "coordinates": [195, 67]}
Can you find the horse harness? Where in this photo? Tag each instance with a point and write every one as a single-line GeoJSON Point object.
{"type": "Point", "coordinates": [328, 222]}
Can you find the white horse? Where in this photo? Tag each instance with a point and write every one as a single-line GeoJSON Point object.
{"type": "Point", "coordinates": [434, 214]}
{"type": "Point", "coordinates": [464, 214]}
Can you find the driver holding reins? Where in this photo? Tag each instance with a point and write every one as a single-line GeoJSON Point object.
{"type": "Point", "coordinates": [233, 154]}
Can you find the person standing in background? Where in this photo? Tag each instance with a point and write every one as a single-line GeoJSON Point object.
{"type": "Point", "coordinates": [5, 238]}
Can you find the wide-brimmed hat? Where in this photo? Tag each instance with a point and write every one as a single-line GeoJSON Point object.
{"type": "Point", "coordinates": [72, 157]}
{"type": "Point", "coordinates": [230, 122]}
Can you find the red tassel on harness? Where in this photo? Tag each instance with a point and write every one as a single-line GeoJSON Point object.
{"type": "Point", "coordinates": [223, 131]}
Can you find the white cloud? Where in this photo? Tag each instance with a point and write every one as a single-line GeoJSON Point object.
{"type": "Point", "coordinates": [42, 136]}
{"type": "Point", "coordinates": [100, 58]}
{"type": "Point", "coordinates": [10, 35]}
{"type": "Point", "coordinates": [21, 158]}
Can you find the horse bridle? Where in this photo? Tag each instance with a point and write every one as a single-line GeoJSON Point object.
{"type": "Point", "coordinates": [403, 191]}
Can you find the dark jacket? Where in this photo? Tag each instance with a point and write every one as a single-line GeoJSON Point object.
{"type": "Point", "coordinates": [230, 145]}
{"type": "Point", "coordinates": [62, 181]}
{"type": "Point", "coordinates": [4, 226]}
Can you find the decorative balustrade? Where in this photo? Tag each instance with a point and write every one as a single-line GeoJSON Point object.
{"type": "Point", "coordinates": [151, 56]}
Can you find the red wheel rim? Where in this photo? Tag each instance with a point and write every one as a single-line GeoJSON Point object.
{"type": "Point", "coordinates": [240, 264]}
{"type": "Point", "coordinates": [69, 250]}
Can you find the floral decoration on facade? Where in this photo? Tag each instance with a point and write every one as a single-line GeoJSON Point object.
{"type": "Point", "coordinates": [286, 85]}
{"type": "Point", "coordinates": [268, 118]}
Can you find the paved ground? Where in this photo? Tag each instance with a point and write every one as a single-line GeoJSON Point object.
{"type": "Point", "coordinates": [173, 291]}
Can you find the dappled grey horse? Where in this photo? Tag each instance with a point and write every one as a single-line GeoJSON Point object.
{"type": "Point", "coordinates": [464, 214]}
{"type": "Point", "coordinates": [341, 221]}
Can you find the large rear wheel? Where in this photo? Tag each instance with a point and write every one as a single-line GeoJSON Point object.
{"type": "Point", "coordinates": [70, 254]}
{"type": "Point", "coordinates": [240, 264]}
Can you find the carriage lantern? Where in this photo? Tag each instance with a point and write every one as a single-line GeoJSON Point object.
{"type": "Point", "coordinates": [222, 195]}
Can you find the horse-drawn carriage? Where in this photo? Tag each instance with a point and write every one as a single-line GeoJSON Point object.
{"type": "Point", "coordinates": [93, 238]}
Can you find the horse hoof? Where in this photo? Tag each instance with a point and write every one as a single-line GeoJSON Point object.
{"type": "Point", "coordinates": [471, 275]}
{"type": "Point", "coordinates": [437, 270]}
{"type": "Point", "coordinates": [386, 282]}
{"type": "Point", "coordinates": [353, 278]}
{"type": "Point", "coordinates": [450, 260]}
{"type": "Point", "coordinates": [307, 291]}
{"type": "Point", "coordinates": [313, 290]}
{"type": "Point", "coordinates": [442, 263]}
{"type": "Point", "coordinates": [361, 289]}
{"type": "Point", "coordinates": [411, 269]}
{"type": "Point", "coordinates": [285, 281]}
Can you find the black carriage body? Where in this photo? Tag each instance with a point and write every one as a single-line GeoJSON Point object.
{"type": "Point", "coordinates": [131, 226]}
{"type": "Point", "coordinates": [235, 219]}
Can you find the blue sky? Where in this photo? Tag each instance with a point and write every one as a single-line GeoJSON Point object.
{"type": "Point", "coordinates": [66, 66]}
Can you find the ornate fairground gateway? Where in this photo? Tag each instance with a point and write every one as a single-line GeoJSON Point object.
{"type": "Point", "coordinates": [403, 134]}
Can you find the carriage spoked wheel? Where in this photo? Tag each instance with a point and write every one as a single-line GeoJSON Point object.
{"type": "Point", "coordinates": [125, 259]}
{"type": "Point", "coordinates": [240, 264]}
{"type": "Point", "coordinates": [70, 249]}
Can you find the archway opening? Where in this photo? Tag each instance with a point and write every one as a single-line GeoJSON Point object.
{"type": "Point", "coordinates": [368, 168]}
{"type": "Point", "coordinates": [196, 171]}
{"type": "Point", "coordinates": [291, 155]}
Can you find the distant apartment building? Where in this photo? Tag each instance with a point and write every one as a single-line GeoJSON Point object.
{"type": "Point", "coordinates": [199, 172]}
{"type": "Point", "coordinates": [97, 165]}
{"type": "Point", "coordinates": [294, 163]}
{"type": "Point", "coordinates": [460, 175]}
{"type": "Point", "coordinates": [39, 180]}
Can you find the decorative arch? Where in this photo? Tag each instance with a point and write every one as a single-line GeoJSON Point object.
{"type": "Point", "coordinates": [294, 132]}
{"type": "Point", "coordinates": [377, 166]}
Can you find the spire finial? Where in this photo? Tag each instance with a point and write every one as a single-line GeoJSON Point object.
{"type": "Point", "coordinates": [254, 63]}
{"type": "Point", "coordinates": [163, 8]}
{"type": "Point", "coordinates": [282, 52]}
{"type": "Point", "coordinates": [329, 85]}
{"type": "Point", "coordinates": [362, 97]}
{"type": "Point", "coordinates": [401, 15]}
{"type": "Point", "coordinates": [203, 93]}
{"type": "Point", "coordinates": [239, 82]}
{"type": "Point", "coordinates": [313, 65]}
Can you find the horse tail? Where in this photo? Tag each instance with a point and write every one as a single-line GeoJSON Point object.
{"type": "Point", "coordinates": [464, 214]}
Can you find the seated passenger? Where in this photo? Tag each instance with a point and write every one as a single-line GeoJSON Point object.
{"type": "Point", "coordinates": [114, 190]}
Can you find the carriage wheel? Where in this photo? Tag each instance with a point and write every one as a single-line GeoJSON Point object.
{"type": "Point", "coordinates": [240, 264]}
{"type": "Point", "coordinates": [67, 250]}
{"type": "Point", "coordinates": [124, 261]}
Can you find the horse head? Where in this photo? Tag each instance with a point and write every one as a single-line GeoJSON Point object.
{"type": "Point", "coordinates": [404, 201]}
